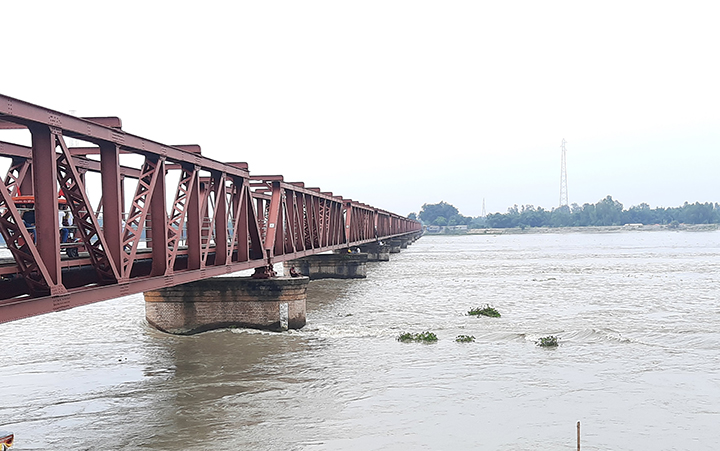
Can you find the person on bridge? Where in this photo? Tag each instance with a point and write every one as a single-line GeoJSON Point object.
{"type": "Point", "coordinates": [29, 220]}
{"type": "Point", "coordinates": [66, 221]}
{"type": "Point", "coordinates": [264, 272]}
{"type": "Point", "coordinates": [294, 273]}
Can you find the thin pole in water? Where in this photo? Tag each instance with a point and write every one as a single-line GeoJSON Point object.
{"type": "Point", "coordinates": [578, 435]}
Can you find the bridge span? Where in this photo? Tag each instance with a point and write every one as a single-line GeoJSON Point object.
{"type": "Point", "coordinates": [147, 216]}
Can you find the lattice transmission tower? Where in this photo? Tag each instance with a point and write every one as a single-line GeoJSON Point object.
{"type": "Point", "coordinates": [563, 175]}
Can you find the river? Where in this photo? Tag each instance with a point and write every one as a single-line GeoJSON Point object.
{"type": "Point", "coordinates": [636, 313]}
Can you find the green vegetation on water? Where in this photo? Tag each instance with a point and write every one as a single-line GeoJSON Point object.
{"type": "Point", "coordinates": [484, 311]}
{"type": "Point", "coordinates": [547, 342]}
{"type": "Point", "coordinates": [427, 337]}
{"type": "Point", "coordinates": [465, 338]}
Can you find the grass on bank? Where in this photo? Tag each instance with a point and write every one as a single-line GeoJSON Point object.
{"type": "Point", "coordinates": [425, 337]}
{"type": "Point", "coordinates": [485, 311]}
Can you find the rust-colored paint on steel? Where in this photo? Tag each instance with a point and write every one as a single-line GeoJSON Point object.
{"type": "Point", "coordinates": [221, 222]}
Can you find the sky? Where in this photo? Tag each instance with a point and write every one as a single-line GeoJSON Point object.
{"type": "Point", "coordinates": [399, 103]}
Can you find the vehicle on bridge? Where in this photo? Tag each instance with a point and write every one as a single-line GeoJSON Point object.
{"type": "Point", "coordinates": [6, 440]}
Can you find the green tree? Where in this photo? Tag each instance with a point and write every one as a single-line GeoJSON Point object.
{"type": "Point", "coordinates": [698, 213]}
{"type": "Point", "coordinates": [533, 217]}
{"type": "Point", "coordinates": [560, 217]}
{"type": "Point", "coordinates": [608, 212]}
{"type": "Point", "coordinates": [430, 212]}
{"type": "Point", "coordinates": [478, 222]}
{"type": "Point", "coordinates": [639, 214]}
{"type": "Point", "coordinates": [503, 221]}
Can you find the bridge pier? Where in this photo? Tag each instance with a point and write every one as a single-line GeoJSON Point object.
{"type": "Point", "coordinates": [408, 240]}
{"type": "Point", "coordinates": [395, 245]}
{"type": "Point", "coordinates": [330, 266]}
{"type": "Point", "coordinates": [219, 302]}
{"type": "Point", "coordinates": [376, 252]}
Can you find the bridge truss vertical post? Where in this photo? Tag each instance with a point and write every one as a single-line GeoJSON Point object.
{"type": "Point", "coordinates": [272, 244]}
{"type": "Point", "coordinates": [194, 223]}
{"type": "Point", "coordinates": [349, 236]}
{"type": "Point", "coordinates": [221, 224]}
{"type": "Point", "coordinates": [211, 228]}
{"type": "Point", "coordinates": [159, 225]}
{"type": "Point", "coordinates": [46, 202]}
{"type": "Point", "coordinates": [112, 200]}
{"type": "Point", "coordinates": [239, 240]}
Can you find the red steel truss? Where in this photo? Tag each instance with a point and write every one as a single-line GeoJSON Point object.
{"type": "Point", "coordinates": [219, 221]}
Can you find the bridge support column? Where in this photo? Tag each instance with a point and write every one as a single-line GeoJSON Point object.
{"type": "Point", "coordinates": [272, 304]}
{"type": "Point", "coordinates": [330, 266]}
{"type": "Point", "coordinates": [395, 246]}
{"type": "Point", "coordinates": [376, 252]}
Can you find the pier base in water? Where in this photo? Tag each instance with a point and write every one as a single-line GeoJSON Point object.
{"type": "Point", "coordinates": [219, 302]}
{"type": "Point", "coordinates": [376, 252]}
{"type": "Point", "coordinates": [330, 266]}
{"type": "Point", "coordinates": [395, 245]}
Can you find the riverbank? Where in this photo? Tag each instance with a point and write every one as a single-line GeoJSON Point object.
{"type": "Point", "coordinates": [587, 229]}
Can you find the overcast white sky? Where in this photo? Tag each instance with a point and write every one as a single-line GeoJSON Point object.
{"type": "Point", "coordinates": [399, 103]}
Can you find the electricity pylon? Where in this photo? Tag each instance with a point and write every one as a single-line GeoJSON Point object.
{"type": "Point", "coordinates": [563, 176]}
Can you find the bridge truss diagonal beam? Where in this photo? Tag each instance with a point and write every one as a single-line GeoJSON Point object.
{"type": "Point", "coordinates": [73, 189]}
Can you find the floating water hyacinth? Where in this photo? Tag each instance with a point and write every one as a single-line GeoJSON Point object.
{"type": "Point", "coordinates": [484, 311]}
{"type": "Point", "coordinates": [426, 337]}
{"type": "Point", "coordinates": [547, 342]}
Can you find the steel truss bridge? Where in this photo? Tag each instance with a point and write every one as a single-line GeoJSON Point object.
{"type": "Point", "coordinates": [220, 220]}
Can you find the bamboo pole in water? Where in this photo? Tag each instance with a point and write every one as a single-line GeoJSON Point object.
{"type": "Point", "coordinates": [578, 435]}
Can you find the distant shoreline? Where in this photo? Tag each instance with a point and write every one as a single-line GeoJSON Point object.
{"type": "Point", "coordinates": [585, 229]}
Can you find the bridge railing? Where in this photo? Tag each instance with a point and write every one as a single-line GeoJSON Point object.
{"type": "Point", "coordinates": [166, 214]}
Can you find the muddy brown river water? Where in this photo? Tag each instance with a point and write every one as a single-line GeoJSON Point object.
{"type": "Point", "coordinates": [637, 315]}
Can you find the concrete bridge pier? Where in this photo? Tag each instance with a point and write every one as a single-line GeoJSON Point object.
{"type": "Point", "coordinates": [395, 245]}
{"type": "Point", "coordinates": [342, 265]}
{"type": "Point", "coordinates": [219, 302]}
{"type": "Point", "coordinates": [376, 252]}
{"type": "Point", "coordinates": [410, 239]}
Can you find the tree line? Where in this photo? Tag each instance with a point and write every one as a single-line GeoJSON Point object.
{"type": "Point", "coordinates": [606, 212]}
